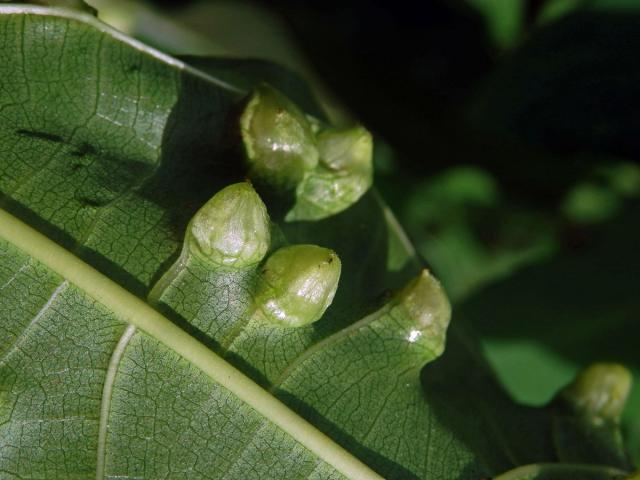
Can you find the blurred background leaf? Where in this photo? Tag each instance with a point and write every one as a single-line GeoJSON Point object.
{"type": "Point", "coordinates": [544, 323]}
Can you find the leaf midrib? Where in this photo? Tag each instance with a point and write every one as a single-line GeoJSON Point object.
{"type": "Point", "coordinates": [136, 312]}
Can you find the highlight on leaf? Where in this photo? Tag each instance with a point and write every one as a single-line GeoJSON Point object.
{"type": "Point", "coordinates": [425, 308]}
{"type": "Point", "coordinates": [297, 285]}
{"type": "Point", "coordinates": [231, 229]}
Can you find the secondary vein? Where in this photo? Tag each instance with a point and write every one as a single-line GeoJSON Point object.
{"type": "Point", "coordinates": [107, 390]}
{"type": "Point", "coordinates": [16, 345]}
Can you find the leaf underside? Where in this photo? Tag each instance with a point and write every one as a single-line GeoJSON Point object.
{"type": "Point", "coordinates": [108, 148]}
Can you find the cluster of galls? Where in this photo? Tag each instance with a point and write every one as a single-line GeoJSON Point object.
{"type": "Point", "coordinates": [329, 169]}
{"type": "Point", "coordinates": [297, 283]}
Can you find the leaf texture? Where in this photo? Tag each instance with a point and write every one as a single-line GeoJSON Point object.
{"type": "Point", "coordinates": [118, 362]}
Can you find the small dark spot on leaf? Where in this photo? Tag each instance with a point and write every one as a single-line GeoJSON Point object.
{"type": "Point", "coordinates": [91, 202]}
{"type": "Point", "coordinates": [83, 150]}
{"type": "Point", "coordinates": [50, 137]}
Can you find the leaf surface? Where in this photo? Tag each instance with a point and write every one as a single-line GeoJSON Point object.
{"type": "Point", "coordinates": [107, 149]}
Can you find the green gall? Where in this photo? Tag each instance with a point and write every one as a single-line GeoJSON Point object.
{"type": "Point", "coordinates": [329, 168]}
{"type": "Point", "coordinates": [344, 174]}
{"type": "Point", "coordinates": [298, 284]}
{"type": "Point", "coordinates": [231, 229]}
{"type": "Point", "coordinates": [346, 149]}
{"type": "Point", "coordinates": [600, 391]}
{"type": "Point", "coordinates": [278, 139]}
{"type": "Point", "coordinates": [427, 311]}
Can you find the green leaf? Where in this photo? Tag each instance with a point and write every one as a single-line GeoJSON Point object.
{"type": "Point", "coordinates": [556, 9]}
{"type": "Point", "coordinates": [504, 19]}
{"type": "Point", "coordinates": [132, 343]}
